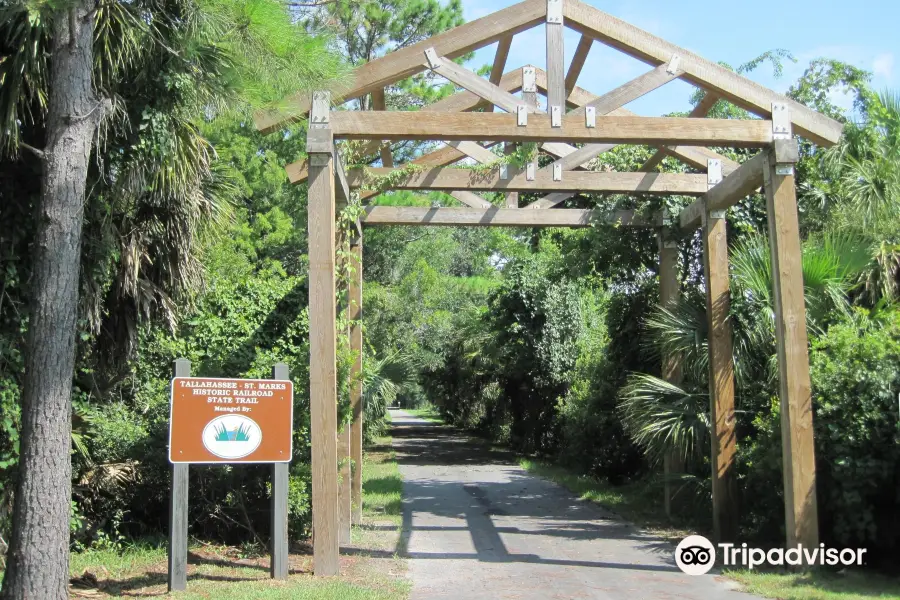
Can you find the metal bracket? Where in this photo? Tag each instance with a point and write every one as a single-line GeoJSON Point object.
{"type": "Point", "coordinates": [782, 128]}
{"type": "Point", "coordinates": [521, 115]}
{"type": "Point", "coordinates": [555, 11]}
{"type": "Point", "coordinates": [784, 170]}
{"type": "Point", "coordinates": [555, 116]}
{"type": "Point", "coordinates": [433, 60]}
{"type": "Point", "coordinates": [717, 214]}
{"type": "Point", "coordinates": [320, 110]}
{"type": "Point", "coordinates": [714, 172]}
{"type": "Point", "coordinates": [529, 80]}
{"type": "Point", "coordinates": [557, 172]}
{"type": "Point", "coordinates": [504, 171]}
{"type": "Point", "coordinates": [529, 172]}
{"type": "Point", "coordinates": [590, 116]}
{"type": "Point", "coordinates": [672, 68]}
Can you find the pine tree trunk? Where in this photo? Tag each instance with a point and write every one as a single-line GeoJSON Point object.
{"type": "Point", "coordinates": [38, 558]}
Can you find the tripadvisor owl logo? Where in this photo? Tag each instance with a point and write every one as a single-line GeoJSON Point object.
{"type": "Point", "coordinates": [695, 555]}
{"type": "Point", "coordinates": [232, 436]}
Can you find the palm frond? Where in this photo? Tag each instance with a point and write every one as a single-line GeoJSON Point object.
{"type": "Point", "coordinates": [664, 418]}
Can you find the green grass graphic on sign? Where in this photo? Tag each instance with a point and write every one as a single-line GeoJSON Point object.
{"type": "Point", "coordinates": [238, 434]}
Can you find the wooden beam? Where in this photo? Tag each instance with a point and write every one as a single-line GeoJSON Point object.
{"type": "Point", "coordinates": [451, 179]}
{"type": "Point", "coordinates": [396, 125]}
{"type": "Point", "coordinates": [556, 66]}
{"type": "Point", "coordinates": [739, 90]}
{"type": "Point", "coordinates": [630, 91]}
{"type": "Point", "coordinates": [322, 367]}
{"type": "Point", "coordinates": [405, 62]}
{"type": "Point", "coordinates": [470, 199]}
{"type": "Point", "coordinates": [604, 105]}
{"type": "Point", "coordinates": [496, 217]}
{"type": "Point", "coordinates": [797, 447]}
{"type": "Point", "coordinates": [475, 151]}
{"type": "Point", "coordinates": [378, 103]}
{"type": "Point", "coordinates": [550, 200]}
{"type": "Point", "coordinates": [468, 80]}
{"type": "Point", "coordinates": [702, 109]}
{"type": "Point", "coordinates": [500, 57]}
{"type": "Point", "coordinates": [578, 60]}
{"type": "Point", "coordinates": [354, 314]}
{"type": "Point", "coordinates": [741, 183]}
{"type": "Point", "coordinates": [721, 379]}
{"type": "Point", "coordinates": [671, 367]}
{"type": "Point", "coordinates": [466, 101]}
{"type": "Point", "coordinates": [579, 97]}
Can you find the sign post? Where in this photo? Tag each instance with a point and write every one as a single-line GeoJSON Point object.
{"type": "Point", "coordinates": [229, 421]}
{"type": "Point", "coordinates": [178, 510]}
{"type": "Point", "coordinates": [278, 567]}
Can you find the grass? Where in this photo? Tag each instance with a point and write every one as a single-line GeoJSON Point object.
{"type": "Point", "coordinates": [374, 572]}
{"type": "Point", "coordinates": [427, 412]}
{"type": "Point", "coordinates": [818, 585]}
{"type": "Point", "coordinates": [641, 503]}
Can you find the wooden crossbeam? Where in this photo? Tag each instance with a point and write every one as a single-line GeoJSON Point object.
{"type": "Point", "coordinates": [688, 155]}
{"type": "Point", "coordinates": [743, 182]}
{"type": "Point", "coordinates": [604, 105]}
{"type": "Point", "coordinates": [398, 125]}
{"type": "Point", "coordinates": [579, 97]}
{"type": "Point", "coordinates": [578, 60]}
{"type": "Point", "coordinates": [498, 217]}
{"type": "Point", "coordinates": [739, 90]}
{"type": "Point", "coordinates": [470, 199]}
{"type": "Point", "coordinates": [406, 62]}
{"type": "Point", "coordinates": [451, 179]}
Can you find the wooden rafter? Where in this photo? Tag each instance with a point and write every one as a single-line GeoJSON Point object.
{"type": "Point", "coordinates": [578, 60]}
{"type": "Point", "coordinates": [708, 75]}
{"type": "Point", "coordinates": [403, 63]}
{"type": "Point", "coordinates": [579, 97]}
{"type": "Point", "coordinates": [700, 111]}
{"type": "Point", "coordinates": [741, 183]}
{"type": "Point", "coordinates": [378, 103]}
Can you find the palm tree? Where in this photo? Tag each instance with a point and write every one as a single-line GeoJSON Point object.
{"type": "Point", "coordinates": [135, 77]}
{"type": "Point", "coordinates": [661, 417]}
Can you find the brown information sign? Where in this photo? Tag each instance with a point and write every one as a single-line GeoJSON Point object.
{"type": "Point", "coordinates": [230, 420]}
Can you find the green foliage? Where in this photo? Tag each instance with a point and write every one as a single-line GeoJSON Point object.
{"type": "Point", "coordinates": [856, 385]}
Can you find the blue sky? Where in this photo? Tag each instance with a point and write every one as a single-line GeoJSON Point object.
{"type": "Point", "coordinates": [863, 33]}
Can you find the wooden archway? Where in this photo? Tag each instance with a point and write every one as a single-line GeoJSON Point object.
{"type": "Point", "coordinates": [597, 123]}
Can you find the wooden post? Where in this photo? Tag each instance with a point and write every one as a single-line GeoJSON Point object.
{"type": "Point", "coordinates": [322, 368]}
{"type": "Point", "coordinates": [721, 376]}
{"type": "Point", "coordinates": [278, 565]}
{"type": "Point", "coordinates": [798, 455]}
{"type": "Point", "coordinates": [178, 510]}
{"type": "Point", "coordinates": [354, 309]}
{"type": "Point", "coordinates": [378, 103]}
{"type": "Point", "coordinates": [669, 292]}
{"type": "Point", "coordinates": [556, 66]}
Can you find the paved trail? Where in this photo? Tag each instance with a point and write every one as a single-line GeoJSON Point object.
{"type": "Point", "coordinates": [476, 526]}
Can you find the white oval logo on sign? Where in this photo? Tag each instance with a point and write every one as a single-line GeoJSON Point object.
{"type": "Point", "coordinates": [232, 436]}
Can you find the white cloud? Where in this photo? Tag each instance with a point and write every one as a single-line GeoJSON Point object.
{"type": "Point", "coordinates": [883, 66]}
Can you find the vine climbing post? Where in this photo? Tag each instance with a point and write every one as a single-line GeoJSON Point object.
{"type": "Point", "coordinates": [322, 340]}
{"type": "Point", "coordinates": [797, 447]}
{"type": "Point", "coordinates": [343, 435]}
{"type": "Point", "coordinates": [669, 291]}
{"type": "Point", "coordinates": [354, 314]}
{"type": "Point", "coordinates": [721, 367]}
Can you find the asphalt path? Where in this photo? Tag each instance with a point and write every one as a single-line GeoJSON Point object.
{"type": "Point", "coordinates": [477, 526]}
